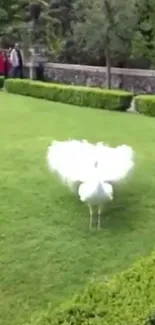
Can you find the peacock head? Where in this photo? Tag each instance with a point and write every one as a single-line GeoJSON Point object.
{"type": "Point", "coordinates": [108, 190]}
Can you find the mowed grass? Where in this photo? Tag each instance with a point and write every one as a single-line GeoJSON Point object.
{"type": "Point", "coordinates": [47, 252]}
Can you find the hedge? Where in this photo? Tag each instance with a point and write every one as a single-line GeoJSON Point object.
{"type": "Point", "coordinates": [1, 81]}
{"type": "Point", "coordinates": [126, 299]}
{"type": "Point", "coordinates": [82, 96]}
{"type": "Point", "coordinates": [145, 104]}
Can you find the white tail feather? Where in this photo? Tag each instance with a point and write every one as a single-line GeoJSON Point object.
{"type": "Point", "coordinates": [74, 162]}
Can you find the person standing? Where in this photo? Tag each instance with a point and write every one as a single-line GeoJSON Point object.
{"type": "Point", "coordinates": [1, 64]}
{"type": "Point", "coordinates": [16, 62]}
{"type": "Point", "coordinates": [7, 64]}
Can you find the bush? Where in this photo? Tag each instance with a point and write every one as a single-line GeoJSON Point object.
{"type": "Point", "coordinates": [127, 299]}
{"type": "Point", "coordinates": [145, 104]}
{"type": "Point", "coordinates": [82, 96]}
{"type": "Point", "coordinates": [1, 82]}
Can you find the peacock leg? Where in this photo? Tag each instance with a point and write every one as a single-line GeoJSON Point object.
{"type": "Point", "coordinates": [91, 216]}
{"type": "Point", "coordinates": [100, 209]}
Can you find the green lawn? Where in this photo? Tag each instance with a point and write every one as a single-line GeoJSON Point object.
{"type": "Point", "coordinates": [46, 249]}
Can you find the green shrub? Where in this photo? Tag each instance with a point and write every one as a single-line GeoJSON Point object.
{"type": "Point", "coordinates": [82, 96]}
{"type": "Point", "coordinates": [1, 81]}
{"type": "Point", "coordinates": [145, 104]}
{"type": "Point", "coordinates": [126, 299]}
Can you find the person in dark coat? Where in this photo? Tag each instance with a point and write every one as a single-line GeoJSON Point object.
{"type": "Point", "coordinates": [16, 62]}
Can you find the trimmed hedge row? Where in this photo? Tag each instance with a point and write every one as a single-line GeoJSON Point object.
{"type": "Point", "coordinates": [145, 104]}
{"type": "Point", "coordinates": [1, 82]}
{"type": "Point", "coordinates": [81, 96]}
{"type": "Point", "coordinates": [127, 299]}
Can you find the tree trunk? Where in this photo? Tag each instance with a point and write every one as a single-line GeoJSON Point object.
{"type": "Point", "coordinates": [108, 66]}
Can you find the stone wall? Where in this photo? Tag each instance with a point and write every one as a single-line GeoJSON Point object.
{"type": "Point", "coordinates": [137, 81]}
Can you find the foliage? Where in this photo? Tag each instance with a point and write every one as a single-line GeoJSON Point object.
{"type": "Point", "coordinates": [1, 82]}
{"type": "Point", "coordinates": [82, 96]}
{"type": "Point", "coordinates": [128, 298]}
{"type": "Point", "coordinates": [46, 31]}
{"type": "Point", "coordinates": [99, 26]}
{"type": "Point", "coordinates": [33, 24]}
{"type": "Point", "coordinates": [143, 42]}
{"type": "Point", "coordinates": [7, 15]}
{"type": "Point", "coordinates": [76, 31]}
{"type": "Point", "coordinates": [145, 104]}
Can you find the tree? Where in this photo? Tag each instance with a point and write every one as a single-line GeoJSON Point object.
{"type": "Point", "coordinates": [33, 23]}
{"type": "Point", "coordinates": [44, 26]}
{"type": "Point", "coordinates": [7, 14]}
{"type": "Point", "coordinates": [105, 25]}
{"type": "Point", "coordinates": [143, 43]}
{"type": "Point", "coordinates": [62, 15]}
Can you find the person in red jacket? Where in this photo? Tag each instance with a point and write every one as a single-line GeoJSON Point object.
{"type": "Point", "coordinates": [7, 64]}
{"type": "Point", "coordinates": [1, 64]}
